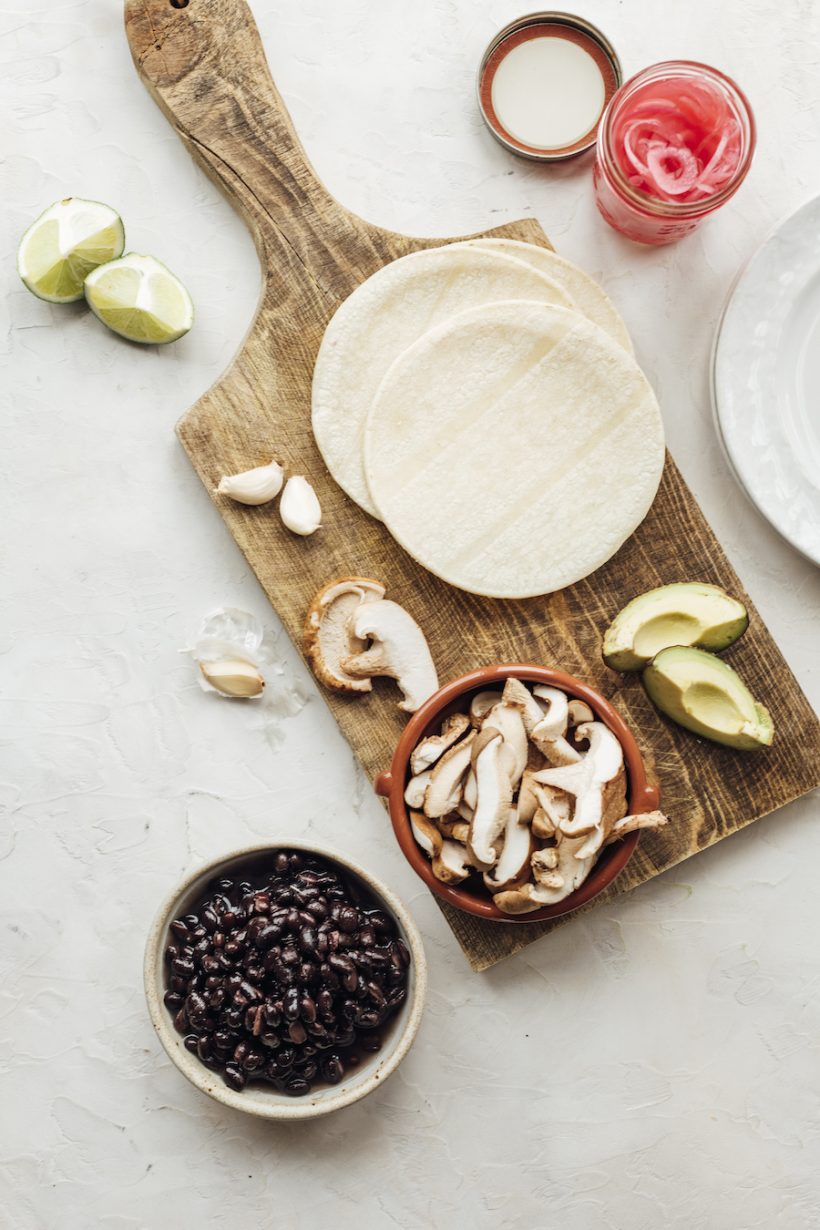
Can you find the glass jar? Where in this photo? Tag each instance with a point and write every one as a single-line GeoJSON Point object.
{"type": "Point", "coordinates": [710, 118]}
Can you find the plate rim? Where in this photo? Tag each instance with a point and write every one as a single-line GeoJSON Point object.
{"type": "Point", "coordinates": [774, 230]}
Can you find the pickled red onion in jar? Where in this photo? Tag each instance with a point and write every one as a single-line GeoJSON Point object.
{"type": "Point", "coordinates": [674, 144]}
{"type": "Point", "coordinates": [678, 140]}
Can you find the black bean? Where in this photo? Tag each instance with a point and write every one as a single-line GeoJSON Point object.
{"type": "Point", "coordinates": [183, 967]}
{"type": "Point", "coordinates": [224, 885]}
{"type": "Point", "coordinates": [181, 1023]}
{"type": "Point", "coordinates": [297, 1032]}
{"type": "Point", "coordinates": [403, 951]}
{"type": "Point", "coordinates": [307, 941]}
{"type": "Point", "coordinates": [190, 1042]}
{"type": "Point", "coordinates": [284, 1058]}
{"type": "Point", "coordinates": [179, 928]}
{"type": "Point", "coordinates": [254, 1060]}
{"type": "Point", "coordinates": [381, 922]}
{"type": "Point", "coordinates": [296, 1086]}
{"type": "Point", "coordinates": [307, 1009]}
{"type": "Point", "coordinates": [367, 936]}
{"type": "Point", "coordinates": [172, 1000]}
{"type": "Point", "coordinates": [348, 919]}
{"type": "Point", "coordinates": [191, 921]}
{"type": "Point", "coordinates": [370, 1042]}
{"type": "Point", "coordinates": [246, 993]}
{"type": "Point", "coordinates": [332, 1069]}
{"type": "Point", "coordinates": [234, 1077]}
{"type": "Point", "coordinates": [267, 935]}
{"type": "Point", "coordinates": [290, 954]}
{"type": "Point", "coordinates": [290, 1004]}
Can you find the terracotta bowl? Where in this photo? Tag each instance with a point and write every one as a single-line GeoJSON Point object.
{"type": "Point", "coordinates": [262, 1099]}
{"type": "Point", "coordinates": [455, 697]}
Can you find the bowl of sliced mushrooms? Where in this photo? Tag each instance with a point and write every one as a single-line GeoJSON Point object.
{"type": "Point", "coordinates": [518, 793]}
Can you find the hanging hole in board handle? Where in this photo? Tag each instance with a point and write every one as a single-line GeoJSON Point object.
{"type": "Point", "coordinates": [180, 4]}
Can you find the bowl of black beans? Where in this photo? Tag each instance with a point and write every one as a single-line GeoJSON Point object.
{"type": "Point", "coordinates": [285, 981]}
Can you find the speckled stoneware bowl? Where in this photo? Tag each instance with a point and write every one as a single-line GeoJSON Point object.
{"type": "Point", "coordinates": [261, 1099]}
{"type": "Point", "coordinates": [455, 697]}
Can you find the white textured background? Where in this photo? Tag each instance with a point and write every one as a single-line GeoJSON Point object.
{"type": "Point", "coordinates": [653, 1064]}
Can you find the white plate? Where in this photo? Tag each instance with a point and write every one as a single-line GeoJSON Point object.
{"type": "Point", "coordinates": [766, 379]}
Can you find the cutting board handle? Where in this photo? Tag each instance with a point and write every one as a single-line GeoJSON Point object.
{"type": "Point", "coordinates": [204, 63]}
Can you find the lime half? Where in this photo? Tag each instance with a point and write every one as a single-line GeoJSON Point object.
{"type": "Point", "coordinates": [140, 299]}
{"type": "Point", "coordinates": [60, 249]}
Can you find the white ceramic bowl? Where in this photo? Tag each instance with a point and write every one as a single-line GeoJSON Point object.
{"type": "Point", "coordinates": [258, 1098]}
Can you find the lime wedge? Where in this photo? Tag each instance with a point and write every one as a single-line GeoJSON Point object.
{"type": "Point", "coordinates": [60, 249]}
{"type": "Point", "coordinates": [140, 299]}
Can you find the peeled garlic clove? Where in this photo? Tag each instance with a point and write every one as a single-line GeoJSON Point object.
{"type": "Point", "coordinates": [234, 678]}
{"type": "Point", "coordinates": [299, 507]}
{"type": "Point", "coordinates": [253, 486]}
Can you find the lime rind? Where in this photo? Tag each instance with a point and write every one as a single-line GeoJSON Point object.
{"type": "Point", "coordinates": [67, 242]}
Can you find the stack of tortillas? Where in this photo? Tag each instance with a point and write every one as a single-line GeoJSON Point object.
{"type": "Point", "coordinates": [482, 399]}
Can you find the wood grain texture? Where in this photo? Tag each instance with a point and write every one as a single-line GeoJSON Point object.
{"type": "Point", "coordinates": [205, 66]}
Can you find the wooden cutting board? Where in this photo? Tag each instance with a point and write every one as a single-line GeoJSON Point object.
{"type": "Point", "coordinates": [204, 64]}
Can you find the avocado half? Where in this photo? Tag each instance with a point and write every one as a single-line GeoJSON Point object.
{"type": "Point", "coordinates": [686, 613]}
{"type": "Point", "coordinates": [702, 693]}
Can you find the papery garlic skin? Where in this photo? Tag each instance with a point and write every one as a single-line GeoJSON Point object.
{"type": "Point", "coordinates": [253, 487]}
{"type": "Point", "coordinates": [299, 507]}
{"type": "Point", "coordinates": [234, 678]}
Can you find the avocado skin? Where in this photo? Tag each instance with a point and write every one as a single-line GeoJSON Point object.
{"type": "Point", "coordinates": [668, 693]}
{"type": "Point", "coordinates": [686, 599]}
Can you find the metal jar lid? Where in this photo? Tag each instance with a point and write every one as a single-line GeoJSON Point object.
{"type": "Point", "coordinates": [557, 25]}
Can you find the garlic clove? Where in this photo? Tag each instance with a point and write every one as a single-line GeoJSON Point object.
{"type": "Point", "coordinates": [253, 486]}
{"type": "Point", "coordinates": [299, 507]}
{"type": "Point", "coordinates": [234, 678]}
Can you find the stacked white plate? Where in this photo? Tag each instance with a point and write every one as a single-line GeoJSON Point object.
{"type": "Point", "coordinates": [766, 379]}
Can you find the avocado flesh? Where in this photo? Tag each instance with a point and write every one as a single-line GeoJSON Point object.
{"type": "Point", "coordinates": [685, 613]}
{"type": "Point", "coordinates": [703, 694]}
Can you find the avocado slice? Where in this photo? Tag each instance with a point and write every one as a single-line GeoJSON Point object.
{"type": "Point", "coordinates": [702, 693]}
{"type": "Point", "coordinates": [686, 613]}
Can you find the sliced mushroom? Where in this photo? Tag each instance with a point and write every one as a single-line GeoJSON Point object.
{"type": "Point", "coordinates": [399, 651]}
{"type": "Point", "coordinates": [546, 724]}
{"type": "Point", "coordinates": [507, 719]}
{"type": "Point", "coordinates": [556, 804]}
{"type": "Point", "coordinates": [481, 703]}
{"type": "Point", "coordinates": [444, 789]}
{"type": "Point", "coordinates": [327, 638]}
{"type": "Point", "coordinates": [494, 797]}
{"type": "Point", "coordinates": [513, 863]}
{"type": "Point", "coordinates": [454, 828]}
{"type": "Point", "coordinates": [570, 869]}
{"type": "Point", "coordinates": [447, 858]}
{"type": "Point", "coordinates": [470, 790]}
{"type": "Point", "coordinates": [416, 789]}
{"type": "Point", "coordinates": [544, 865]}
{"type": "Point", "coordinates": [542, 826]}
{"type": "Point", "coordinates": [527, 802]}
{"type": "Point", "coordinates": [586, 779]}
{"type": "Point", "coordinates": [465, 812]}
{"type": "Point", "coordinates": [578, 711]}
{"type": "Point", "coordinates": [431, 749]}
{"type": "Point", "coordinates": [644, 820]}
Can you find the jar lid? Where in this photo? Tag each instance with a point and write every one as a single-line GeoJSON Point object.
{"type": "Point", "coordinates": [544, 83]}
